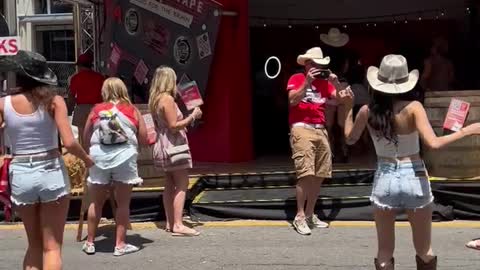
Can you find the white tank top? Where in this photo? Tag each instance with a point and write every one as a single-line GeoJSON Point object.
{"type": "Point", "coordinates": [29, 133]}
{"type": "Point", "coordinates": [407, 145]}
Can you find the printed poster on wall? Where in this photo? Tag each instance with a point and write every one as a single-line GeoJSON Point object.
{"type": "Point", "coordinates": [141, 35]}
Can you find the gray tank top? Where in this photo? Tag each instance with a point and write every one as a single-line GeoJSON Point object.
{"type": "Point", "coordinates": [29, 133]}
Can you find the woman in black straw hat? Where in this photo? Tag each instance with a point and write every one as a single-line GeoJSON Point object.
{"type": "Point", "coordinates": [401, 180]}
{"type": "Point", "coordinates": [40, 184]}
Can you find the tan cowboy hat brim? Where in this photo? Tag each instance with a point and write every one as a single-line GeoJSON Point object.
{"type": "Point", "coordinates": [301, 59]}
{"type": "Point", "coordinates": [391, 88]}
{"type": "Point", "coordinates": [340, 42]}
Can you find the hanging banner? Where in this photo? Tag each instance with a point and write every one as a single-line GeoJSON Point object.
{"type": "Point", "coordinates": [9, 45]}
{"type": "Point", "coordinates": [141, 35]}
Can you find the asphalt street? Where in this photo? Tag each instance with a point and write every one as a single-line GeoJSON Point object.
{"type": "Point", "coordinates": [251, 248]}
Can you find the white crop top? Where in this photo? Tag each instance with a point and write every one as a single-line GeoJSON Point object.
{"type": "Point", "coordinates": [29, 133]}
{"type": "Point", "coordinates": [407, 145]}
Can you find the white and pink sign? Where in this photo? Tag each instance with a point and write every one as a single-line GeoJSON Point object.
{"type": "Point", "coordinates": [9, 45]}
{"type": "Point", "coordinates": [456, 115]}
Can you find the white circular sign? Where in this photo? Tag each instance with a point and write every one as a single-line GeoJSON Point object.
{"type": "Point", "coordinates": [132, 21]}
{"type": "Point", "coordinates": [279, 67]}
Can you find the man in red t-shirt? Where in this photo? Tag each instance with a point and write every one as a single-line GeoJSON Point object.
{"type": "Point", "coordinates": [85, 91]}
{"type": "Point", "coordinates": [307, 94]}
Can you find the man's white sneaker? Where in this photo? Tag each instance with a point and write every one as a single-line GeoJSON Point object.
{"type": "Point", "coordinates": [315, 222]}
{"type": "Point", "coordinates": [301, 226]}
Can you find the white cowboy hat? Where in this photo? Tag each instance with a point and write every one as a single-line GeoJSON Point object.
{"type": "Point", "coordinates": [335, 38]}
{"type": "Point", "coordinates": [392, 77]}
{"type": "Point", "coordinates": [314, 54]}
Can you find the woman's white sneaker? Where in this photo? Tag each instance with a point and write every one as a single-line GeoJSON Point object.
{"type": "Point", "coordinates": [127, 249]}
{"type": "Point", "coordinates": [88, 248]}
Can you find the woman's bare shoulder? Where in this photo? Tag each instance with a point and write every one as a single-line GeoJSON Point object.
{"type": "Point", "coordinates": [58, 100]}
{"type": "Point", "coordinates": [166, 100]}
{"type": "Point", "coordinates": [414, 105]}
{"type": "Point", "coordinates": [364, 109]}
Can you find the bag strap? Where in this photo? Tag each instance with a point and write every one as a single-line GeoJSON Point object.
{"type": "Point", "coordinates": [60, 147]}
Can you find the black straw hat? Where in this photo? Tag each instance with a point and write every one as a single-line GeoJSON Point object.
{"type": "Point", "coordinates": [30, 64]}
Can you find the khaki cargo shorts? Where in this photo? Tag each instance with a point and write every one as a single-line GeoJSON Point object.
{"type": "Point", "coordinates": [79, 119]}
{"type": "Point", "coordinates": [311, 152]}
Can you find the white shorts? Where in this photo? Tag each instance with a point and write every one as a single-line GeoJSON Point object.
{"type": "Point", "coordinates": [125, 173]}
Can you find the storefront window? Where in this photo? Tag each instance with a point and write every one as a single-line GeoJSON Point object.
{"type": "Point", "coordinates": [56, 44]}
{"type": "Point", "coordinates": [52, 7]}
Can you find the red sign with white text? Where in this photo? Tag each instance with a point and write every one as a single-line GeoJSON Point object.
{"type": "Point", "coordinates": [151, 132]}
{"type": "Point", "coordinates": [456, 115]}
{"type": "Point", "coordinates": [190, 95]}
{"type": "Point", "coordinates": [9, 45]}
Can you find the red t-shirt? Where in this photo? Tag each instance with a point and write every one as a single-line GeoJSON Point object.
{"type": "Point", "coordinates": [311, 110]}
{"type": "Point", "coordinates": [86, 85]}
{"type": "Point", "coordinates": [127, 109]}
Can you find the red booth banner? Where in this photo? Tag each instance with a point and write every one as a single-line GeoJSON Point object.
{"type": "Point", "coordinates": [141, 35]}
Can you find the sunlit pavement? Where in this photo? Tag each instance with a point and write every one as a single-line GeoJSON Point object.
{"type": "Point", "coordinates": [252, 248]}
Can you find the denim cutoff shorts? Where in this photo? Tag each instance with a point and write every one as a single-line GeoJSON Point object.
{"type": "Point", "coordinates": [38, 181]}
{"type": "Point", "coordinates": [125, 173]}
{"type": "Point", "coordinates": [402, 185]}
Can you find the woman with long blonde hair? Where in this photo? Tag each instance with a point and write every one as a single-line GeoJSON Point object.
{"type": "Point", "coordinates": [113, 131]}
{"type": "Point", "coordinates": [171, 152]}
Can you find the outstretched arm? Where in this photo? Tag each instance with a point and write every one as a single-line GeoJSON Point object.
{"type": "Point", "coordinates": [65, 130]}
{"type": "Point", "coordinates": [428, 135]}
{"type": "Point", "coordinates": [354, 129]}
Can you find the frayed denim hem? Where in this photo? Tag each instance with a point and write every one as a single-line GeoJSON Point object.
{"type": "Point", "coordinates": [382, 206]}
{"type": "Point", "coordinates": [133, 182]}
{"type": "Point", "coordinates": [58, 197]}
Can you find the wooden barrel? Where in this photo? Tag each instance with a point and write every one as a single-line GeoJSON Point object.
{"type": "Point", "coordinates": [460, 159]}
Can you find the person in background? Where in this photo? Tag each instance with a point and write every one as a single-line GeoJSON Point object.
{"type": "Point", "coordinates": [171, 153]}
{"type": "Point", "coordinates": [113, 130]}
{"type": "Point", "coordinates": [355, 75]}
{"type": "Point", "coordinates": [311, 154]}
{"type": "Point", "coordinates": [438, 73]}
{"type": "Point", "coordinates": [40, 185]}
{"type": "Point", "coordinates": [85, 91]}
{"type": "Point", "coordinates": [336, 42]}
{"type": "Point", "coordinates": [401, 180]}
